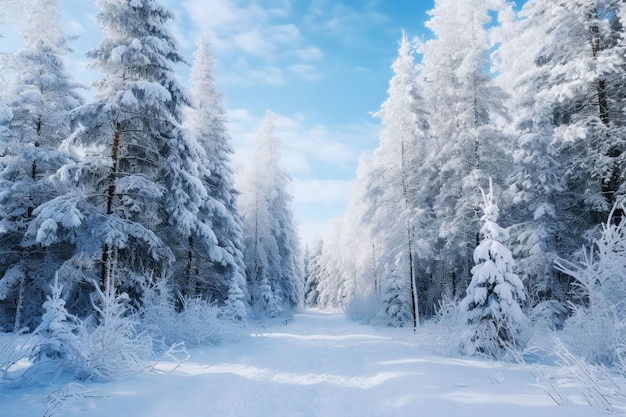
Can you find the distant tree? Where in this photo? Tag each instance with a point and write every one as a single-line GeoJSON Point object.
{"type": "Point", "coordinates": [223, 276]}
{"type": "Point", "coordinates": [312, 274]}
{"type": "Point", "coordinates": [492, 304]}
{"type": "Point", "coordinates": [43, 95]}
{"type": "Point", "coordinates": [333, 276]}
{"type": "Point", "coordinates": [272, 254]}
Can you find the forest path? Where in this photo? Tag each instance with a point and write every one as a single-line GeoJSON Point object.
{"type": "Point", "coordinates": [319, 365]}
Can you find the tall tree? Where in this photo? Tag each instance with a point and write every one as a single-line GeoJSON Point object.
{"type": "Point", "coordinates": [224, 276]}
{"type": "Point", "coordinates": [44, 94]}
{"type": "Point", "coordinates": [272, 254]}
{"type": "Point", "coordinates": [463, 101]}
{"type": "Point", "coordinates": [134, 191]}
{"type": "Point", "coordinates": [403, 143]}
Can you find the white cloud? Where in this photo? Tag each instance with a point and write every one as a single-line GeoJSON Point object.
{"type": "Point", "coordinates": [267, 75]}
{"type": "Point", "coordinates": [310, 54]}
{"type": "Point", "coordinates": [321, 191]}
{"type": "Point", "coordinates": [259, 32]}
{"type": "Point", "coordinates": [304, 144]}
{"type": "Point", "coordinates": [348, 22]}
{"type": "Point", "coordinates": [305, 72]}
{"type": "Point", "coordinates": [247, 28]}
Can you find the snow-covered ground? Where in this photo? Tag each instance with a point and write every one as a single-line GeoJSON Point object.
{"type": "Point", "coordinates": [320, 364]}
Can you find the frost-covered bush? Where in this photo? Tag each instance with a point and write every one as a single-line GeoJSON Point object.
{"type": "Point", "coordinates": [115, 347]}
{"type": "Point", "coordinates": [442, 334]}
{"type": "Point", "coordinates": [596, 329]}
{"type": "Point", "coordinates": [106, 348]}
{"type": "Point", "coordinates": [492, 304]}
{"type": "Point", "coordinates": [195, 321]}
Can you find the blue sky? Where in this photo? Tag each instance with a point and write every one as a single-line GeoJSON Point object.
{"type": "Point", "coordinates": [322, 65]}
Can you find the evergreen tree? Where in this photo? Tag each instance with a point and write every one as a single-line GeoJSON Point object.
{"type": "Point", "coordinates": [272, 255]}
{"type": "Point", "coordinates": [44, 94]}
{"type": "Point", "coordinates": [133, 188]}
{"type": "Point", "coordinates": [224, 278]}
{"type": "Point", "coordinates": [566, 62]}
{"type": "Point", "coordinates": [312, 274]}
{"type": "Point", "coordinates": [492, 303]}
{"type": "Point", "coordinates": [401, 152]}
{"type": "Point", "coordinates": [333, 274]}
{"type": "Point", "coordinates": [463, 101]}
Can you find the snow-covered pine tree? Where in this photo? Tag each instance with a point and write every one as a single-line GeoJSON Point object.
{"type": "Point", "coordinates": [134, 191]}
{"type": "Point", "coordinates": [59, 332]}
{"type": "Point", "coordinates": [224, 277]}
{"type": "Point", "coordinates": [44, 93]}
{"type": "Point", "coordinates": [403, 143]}
{"type": "Point", "coordinates": [272, 254]}
{"type": "Point", "coordinates": [492, 303]}
{"type": "Point", "coordinates": [463, 102]}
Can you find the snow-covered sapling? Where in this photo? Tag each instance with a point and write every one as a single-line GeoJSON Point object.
{"type": "Point", "coordinates": [492, 304]}
{"type": "Point", "coordinates": [58, 331]}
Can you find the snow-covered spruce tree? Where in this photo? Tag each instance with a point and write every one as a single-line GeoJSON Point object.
{"type": "Point", "coordinates": [59, 333]}
{"type": "Point", "coordinates": [403, 143]}
{"type": "Point", "coordinates": [133, 186]}
{"type": "Point", "coordinates": [462, 102]}
{"type": "Point", "coordinates": [43, 94]}
{"type": "Point", "coordinates": [272, 254]}
{"type": "Point", "coordinates": [536, 182]}
{"type": "Point", "coordinates": [492, 304]}
{"type": "Point", "coordinates": [223, 276]}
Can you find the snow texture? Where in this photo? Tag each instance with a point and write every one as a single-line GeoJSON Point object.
{"type": "Point", "coordinates": [321, 365]}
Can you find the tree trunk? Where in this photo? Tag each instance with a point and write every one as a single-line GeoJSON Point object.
{"type": "Point", "coordinates": [611, 183]}
{"type": "Point", "coordinates": [106, 261]}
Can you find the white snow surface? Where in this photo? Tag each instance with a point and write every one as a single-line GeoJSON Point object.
{"type": "Point", "coordinates": [321, 364]}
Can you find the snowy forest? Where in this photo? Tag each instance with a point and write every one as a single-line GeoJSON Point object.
{"type": "Point", "coordinates": [489, 215]}
{"type": "Point", "coordinates": [511, 118]}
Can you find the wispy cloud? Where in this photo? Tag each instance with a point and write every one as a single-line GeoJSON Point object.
{"type": "Point", "coordinates": [309, 54]}
{"type": "Point", "coordinates": [262, 33]}
{"type": "Point", "coordinates": [321, 191]}
{"type": "Point", "coordinates": [305, 72]}
{"type": "Point", "coordinates": [347, 21]}
{"type": "Point", "coordinates": [305, 144]}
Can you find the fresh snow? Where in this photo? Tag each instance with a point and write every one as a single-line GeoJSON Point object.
{"type": "Point", "coordinates": [320, 364]}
